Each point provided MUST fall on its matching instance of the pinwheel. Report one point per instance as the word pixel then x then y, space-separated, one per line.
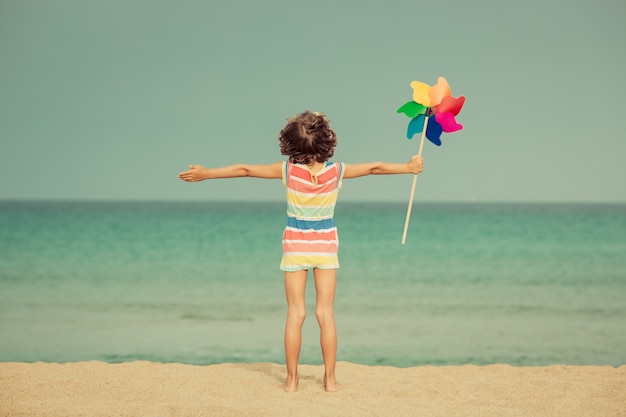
pixel 433 111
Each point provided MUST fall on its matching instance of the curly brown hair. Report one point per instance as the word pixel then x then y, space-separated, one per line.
pixel 307 137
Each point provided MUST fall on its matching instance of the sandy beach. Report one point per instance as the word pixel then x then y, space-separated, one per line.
pixel 151 389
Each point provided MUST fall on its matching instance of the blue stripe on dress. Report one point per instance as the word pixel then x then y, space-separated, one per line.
pixel 310 224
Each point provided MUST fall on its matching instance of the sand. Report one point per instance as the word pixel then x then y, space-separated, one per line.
pixel 148 389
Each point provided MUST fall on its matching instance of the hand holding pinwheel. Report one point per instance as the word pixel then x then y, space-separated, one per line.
pixel 432 111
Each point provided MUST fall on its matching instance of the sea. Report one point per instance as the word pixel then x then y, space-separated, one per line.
pixel 199 283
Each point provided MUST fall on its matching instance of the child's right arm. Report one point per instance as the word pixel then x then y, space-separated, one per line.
pixel 414 166
pixel 199 173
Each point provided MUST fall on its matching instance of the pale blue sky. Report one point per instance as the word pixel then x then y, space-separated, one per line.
pixel 111 99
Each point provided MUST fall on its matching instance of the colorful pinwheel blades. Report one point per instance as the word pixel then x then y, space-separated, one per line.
pixel 433 129
pixel 438 105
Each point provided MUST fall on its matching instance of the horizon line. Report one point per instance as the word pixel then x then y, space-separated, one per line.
pixel 278 201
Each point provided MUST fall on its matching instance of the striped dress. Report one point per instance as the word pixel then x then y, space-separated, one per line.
pixel 310 238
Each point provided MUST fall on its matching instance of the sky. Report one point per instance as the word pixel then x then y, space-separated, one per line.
pixel 110 100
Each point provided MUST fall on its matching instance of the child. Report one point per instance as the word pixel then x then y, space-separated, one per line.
pixel 310 237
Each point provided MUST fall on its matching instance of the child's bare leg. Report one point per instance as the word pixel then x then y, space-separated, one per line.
pixel 325 287
pixel 295 285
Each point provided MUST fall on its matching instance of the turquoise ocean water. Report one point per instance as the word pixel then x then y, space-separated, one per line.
pixel 199 283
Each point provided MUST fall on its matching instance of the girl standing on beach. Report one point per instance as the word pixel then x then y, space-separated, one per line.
pixel 310 238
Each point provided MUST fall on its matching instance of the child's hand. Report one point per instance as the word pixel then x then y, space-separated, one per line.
pixel 416 164
pixel 196 173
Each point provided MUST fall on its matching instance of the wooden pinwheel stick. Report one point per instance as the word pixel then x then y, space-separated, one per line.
pixel 419 153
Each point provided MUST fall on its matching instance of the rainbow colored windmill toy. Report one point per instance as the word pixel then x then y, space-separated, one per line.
pixel 432 111
pixel 434 107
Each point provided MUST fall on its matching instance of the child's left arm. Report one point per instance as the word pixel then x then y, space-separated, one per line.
pixel 199 173
pixel 414 166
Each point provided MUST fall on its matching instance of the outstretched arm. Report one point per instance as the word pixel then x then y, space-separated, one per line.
pixel 199 173
pixel 414 166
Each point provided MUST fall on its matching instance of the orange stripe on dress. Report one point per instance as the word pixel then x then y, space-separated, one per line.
pixel 312 235
pixel 306 247
pixel 303 173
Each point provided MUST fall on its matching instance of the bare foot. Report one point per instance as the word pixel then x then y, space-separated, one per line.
pixel 331 384
pixel 291 385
